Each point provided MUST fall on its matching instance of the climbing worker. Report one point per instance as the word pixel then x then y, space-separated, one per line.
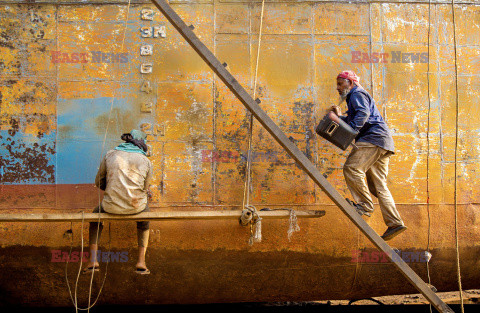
pixel 366 167
pixel 124 174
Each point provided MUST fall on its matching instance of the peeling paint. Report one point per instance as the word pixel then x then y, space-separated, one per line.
pixel 299 59
pixel 24 158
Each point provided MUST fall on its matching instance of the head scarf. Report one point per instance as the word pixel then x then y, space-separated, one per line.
pixel 350 75
pixel 135 142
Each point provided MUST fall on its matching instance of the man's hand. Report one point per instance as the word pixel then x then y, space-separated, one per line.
pixel 336 109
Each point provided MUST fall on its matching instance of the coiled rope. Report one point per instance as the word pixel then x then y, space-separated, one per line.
pixel 250 217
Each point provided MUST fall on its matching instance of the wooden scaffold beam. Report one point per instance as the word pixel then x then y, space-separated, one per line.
pixel 152 216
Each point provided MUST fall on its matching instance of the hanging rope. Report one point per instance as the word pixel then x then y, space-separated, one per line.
pixel 459 276
pixel 428 147
pixel 293 226
pixel 250 213
pixel 247 188
pixel 74 299
pixel 248 177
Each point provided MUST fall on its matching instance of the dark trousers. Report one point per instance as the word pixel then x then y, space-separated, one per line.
pixel 142 229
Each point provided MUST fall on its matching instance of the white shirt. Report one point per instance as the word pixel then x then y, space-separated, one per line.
pixel 127 176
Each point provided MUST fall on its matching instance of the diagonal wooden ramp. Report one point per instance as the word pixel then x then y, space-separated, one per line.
pixel 296 154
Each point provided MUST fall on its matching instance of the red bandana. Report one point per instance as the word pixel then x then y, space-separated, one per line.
pixel 350 75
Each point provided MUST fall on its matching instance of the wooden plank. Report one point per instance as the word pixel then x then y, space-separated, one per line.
pixel 295 153
pixel 152 216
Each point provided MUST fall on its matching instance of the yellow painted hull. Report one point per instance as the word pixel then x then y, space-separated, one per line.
pixel 74 77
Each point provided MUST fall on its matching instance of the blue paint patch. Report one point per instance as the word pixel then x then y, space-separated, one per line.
pixel 81 126
pixel 78 161
pixel 72 153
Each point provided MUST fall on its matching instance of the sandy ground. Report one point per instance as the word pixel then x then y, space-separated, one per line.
pixel 416 303
pixel 469 297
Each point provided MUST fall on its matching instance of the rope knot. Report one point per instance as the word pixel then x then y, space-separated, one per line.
pixel 250 217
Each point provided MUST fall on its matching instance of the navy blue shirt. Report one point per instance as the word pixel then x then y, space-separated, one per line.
pixel 363 116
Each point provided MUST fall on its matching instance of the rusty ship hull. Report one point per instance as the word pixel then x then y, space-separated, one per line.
pixel 75 76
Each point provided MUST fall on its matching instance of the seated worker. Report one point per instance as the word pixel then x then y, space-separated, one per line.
pixel 366 167
pixel 125 174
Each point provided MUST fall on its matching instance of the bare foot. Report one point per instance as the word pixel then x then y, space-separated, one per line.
pixel 141 265
pixel 141 268
pixel 91 267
